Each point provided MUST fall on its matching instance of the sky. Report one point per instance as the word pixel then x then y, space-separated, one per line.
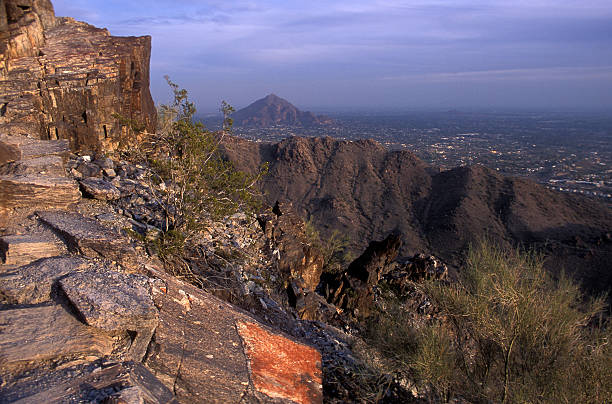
pixel 376 54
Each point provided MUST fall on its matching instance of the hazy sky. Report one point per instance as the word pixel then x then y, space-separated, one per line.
pixel 372 54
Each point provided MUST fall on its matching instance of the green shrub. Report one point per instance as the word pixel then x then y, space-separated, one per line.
pixel 193 184
pixel 508 332
pixel 334 249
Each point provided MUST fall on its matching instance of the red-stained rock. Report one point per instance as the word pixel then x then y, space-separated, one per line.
pixel 282 368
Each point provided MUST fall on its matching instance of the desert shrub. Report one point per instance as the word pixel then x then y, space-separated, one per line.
pixel 517 334
pixel 509 332
pixel 336 255
pixel 192 183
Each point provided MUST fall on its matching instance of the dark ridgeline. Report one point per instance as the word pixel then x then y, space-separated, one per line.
pixel 273 110
pixel 367 191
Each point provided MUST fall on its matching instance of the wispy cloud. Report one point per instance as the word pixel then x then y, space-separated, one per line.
pixel 537 74
pixel 278 44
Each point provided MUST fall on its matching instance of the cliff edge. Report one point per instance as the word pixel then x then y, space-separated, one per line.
pixel 64 79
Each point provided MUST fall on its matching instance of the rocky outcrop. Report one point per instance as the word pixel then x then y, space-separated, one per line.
pixel 298 262
pixel 33 176
pixel 62 79
pixel 353 290
pixel 22 25
pixel 86 316
pixel 273 110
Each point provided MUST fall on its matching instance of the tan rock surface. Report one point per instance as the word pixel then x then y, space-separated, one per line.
pixel 198 351
pixel 37 192
pixel 62 79
pixel 46 333
pixel 23 249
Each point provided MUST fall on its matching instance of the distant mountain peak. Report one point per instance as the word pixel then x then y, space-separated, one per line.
pixel 274 110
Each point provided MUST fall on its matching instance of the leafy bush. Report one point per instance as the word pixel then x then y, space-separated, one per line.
pixel 193 183
pixel 508 332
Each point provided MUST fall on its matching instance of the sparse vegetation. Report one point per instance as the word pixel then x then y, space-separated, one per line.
pixel 507 332
pixel 336 255
pixel 193 184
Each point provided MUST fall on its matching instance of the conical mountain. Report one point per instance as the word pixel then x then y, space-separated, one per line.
pixel 274 110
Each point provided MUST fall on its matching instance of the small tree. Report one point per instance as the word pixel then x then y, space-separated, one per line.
pixel 195 184
pixel 513 334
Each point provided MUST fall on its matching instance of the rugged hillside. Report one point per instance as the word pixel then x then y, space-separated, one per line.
pixel 273 110
pixel 87 314
pixel 63 79
pixel 364 190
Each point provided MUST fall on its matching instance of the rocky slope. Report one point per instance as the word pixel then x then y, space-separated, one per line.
pixel 366 191
pixel 63 79
pixel 86 315
pixel 273 110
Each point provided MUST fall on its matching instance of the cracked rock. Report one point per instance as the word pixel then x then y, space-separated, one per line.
pixel 114 301
pixel 100 189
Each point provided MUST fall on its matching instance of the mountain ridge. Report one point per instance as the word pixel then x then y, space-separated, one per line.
pixel 364 190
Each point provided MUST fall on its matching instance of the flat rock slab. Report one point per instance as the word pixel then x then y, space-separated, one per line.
pixel 114 301
pixel 282 368
pixel 128 381
pixel 33 283
pixel 88 236
pixel 100 189
pixel 13 148
pixel 45 165
pixel 46 333
pixel 198 351
pixel 37 192
pixel 23 249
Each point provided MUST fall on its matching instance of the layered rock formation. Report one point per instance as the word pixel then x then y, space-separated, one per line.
pixel 86 316
pixel 273 110
pixel 63 79
pixel 368 192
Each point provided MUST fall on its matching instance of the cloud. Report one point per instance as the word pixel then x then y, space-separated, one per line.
pixel 537 74
pixel 361 43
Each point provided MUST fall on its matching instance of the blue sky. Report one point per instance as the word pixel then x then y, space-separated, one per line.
pixel 372 54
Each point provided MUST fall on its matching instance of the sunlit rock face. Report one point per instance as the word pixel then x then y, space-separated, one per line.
pixel 63 79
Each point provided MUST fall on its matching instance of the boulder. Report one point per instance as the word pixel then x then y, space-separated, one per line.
pixel 13 148
pixel 36 192
pixel 36 334
pixel 23 249
pixel 34 283
pixel 114 302
pixel 46 165
pixel 98 188
pixel 89 237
